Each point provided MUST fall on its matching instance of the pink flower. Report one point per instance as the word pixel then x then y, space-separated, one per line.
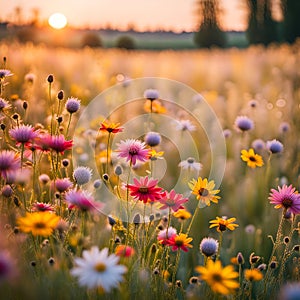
pixel 39 206
pixel 57 143
pixel 173 201
pixel 166 234
pixel 133 150
pixel 286 198
pixel 9 163
pixel 82 200
pixel 23 134
pixel 145 190
pixel 124 251
pixel 62 184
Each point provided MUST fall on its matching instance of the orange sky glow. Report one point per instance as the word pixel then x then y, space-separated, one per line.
pixel 177 15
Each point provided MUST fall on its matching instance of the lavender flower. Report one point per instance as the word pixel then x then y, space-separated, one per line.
pixel 274 146
pixel 72 105
pixel 151 94
pixel 23 134
pixel 9 163
pixel 243 123
pixel 152 139
pixel 82 175
pixel 209 246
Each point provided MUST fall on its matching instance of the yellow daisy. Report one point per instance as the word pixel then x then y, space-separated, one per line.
pixel 253 275
pixel 182 214
pixel 38 223
pixel 221 280
pixel 204 190
pixel 253 160
pixel 223 223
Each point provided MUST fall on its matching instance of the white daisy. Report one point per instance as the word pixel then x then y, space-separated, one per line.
pixel 98 269
pixel 190 164
pixel 185 125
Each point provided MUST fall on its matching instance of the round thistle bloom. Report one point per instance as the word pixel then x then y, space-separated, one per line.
pixel 253 275
pixel 82 200
pixel 185 125
pixel 124 251
pixel 181 241
pixel 44 178
pixel 145 189
pixel 286 197
pixel 38 223
pixel 152 139
pixel 4 105
pixel 39 206
pixel 227 133
pixel 82 175
pixel 133 150
pixel 221 280
pixel 111 128
pixel 190 164
pixel 172 200
pixel 7 191
pixel 62 184
pixel 151 94
pixel 57 143
pixel 5 73
pixel 258 145
pixel 23 134
pixel 9 163
pixel 284 127
pixel 72 105
pixel 98 269
pixel 223 223
pixel 243 123
pixel 209 246
pixel 253 160
pixel 274 146
pixel 290 291
pixel 204 190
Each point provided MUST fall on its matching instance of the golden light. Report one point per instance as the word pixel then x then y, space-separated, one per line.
pixel 57 21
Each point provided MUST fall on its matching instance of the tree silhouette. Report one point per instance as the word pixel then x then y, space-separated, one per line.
pixel 291 24
pixel 209 33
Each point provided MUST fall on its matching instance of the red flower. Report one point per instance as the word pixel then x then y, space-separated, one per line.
pixel 111 128
pixel 57 143
pixel 145 190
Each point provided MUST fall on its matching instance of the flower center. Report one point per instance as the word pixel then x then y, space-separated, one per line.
pixel 216 277
pixel 179 242
pixel 203 192
pixel 222 227
pixel 190 160
pixel 100 267
pixel 133 151
pixel 287 202
pixel 170 202
pixel 40 225
pixel 143 189
pixel 252 158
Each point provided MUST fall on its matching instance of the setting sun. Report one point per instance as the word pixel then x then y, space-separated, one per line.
pixel 57 21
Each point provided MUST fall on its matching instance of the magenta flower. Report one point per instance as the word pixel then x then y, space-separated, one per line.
pixel 286 198
pixel 145 190
pixel 23 134
pixel 82 200
pixel 172 201
pixel 9 163
pixel 40 206
pixel 63 184
pixel 57 143
pixel 166 234
pixel 133 150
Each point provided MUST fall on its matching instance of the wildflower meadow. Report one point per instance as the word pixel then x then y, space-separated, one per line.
pixel 149 175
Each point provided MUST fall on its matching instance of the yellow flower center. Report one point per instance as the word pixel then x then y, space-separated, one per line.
pixel 100 267
pixel 203 192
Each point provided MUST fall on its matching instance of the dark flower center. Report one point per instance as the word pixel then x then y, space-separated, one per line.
pixel 217 277
pixel 39 225
pixel 143 190
pixel 203 192
pixel 222 227
pixel 133 151
pixel 190 160
pixel 179 243
pixel 252 158
pixel 287 202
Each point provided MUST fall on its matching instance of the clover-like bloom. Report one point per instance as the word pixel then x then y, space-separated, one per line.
pixel 243 123
pixel 145 189
pixel 23 134
pixel 98 269
pixel 133 150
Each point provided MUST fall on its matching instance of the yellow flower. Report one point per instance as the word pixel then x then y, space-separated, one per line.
pixel 204 190
pixel 155 155
pixel 38 223
pixel 253 160
pixel 181 241
pixel 221 280
pixel 157 107
pixel 223 223
pixel 182 214
pixel 253 275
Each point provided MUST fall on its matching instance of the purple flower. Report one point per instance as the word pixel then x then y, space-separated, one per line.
pixel 284 127
pixel 7 267
pixel 243 123
pixel 72 105
pixel 151 94
pixel 63 184
pixel 4 104
pixel 82 200
pixel 45 142
pixel 82 175
pixel 286 198
pixel 5 73
pixel 185 125
pixel 152 139
pixel 258 145
pixel 23 134
pixel 133 150
pixel 40 206
pixel 9 163
pixel 274 146
pixel 209 246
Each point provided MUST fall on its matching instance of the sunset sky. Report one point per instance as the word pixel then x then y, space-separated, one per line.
pixel 175 15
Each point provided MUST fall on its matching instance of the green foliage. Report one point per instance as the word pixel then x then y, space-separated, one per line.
pixel 126 42
pixel 91 39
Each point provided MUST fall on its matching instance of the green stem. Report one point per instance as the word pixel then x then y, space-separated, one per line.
pixel 68 126
pixel 193 218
